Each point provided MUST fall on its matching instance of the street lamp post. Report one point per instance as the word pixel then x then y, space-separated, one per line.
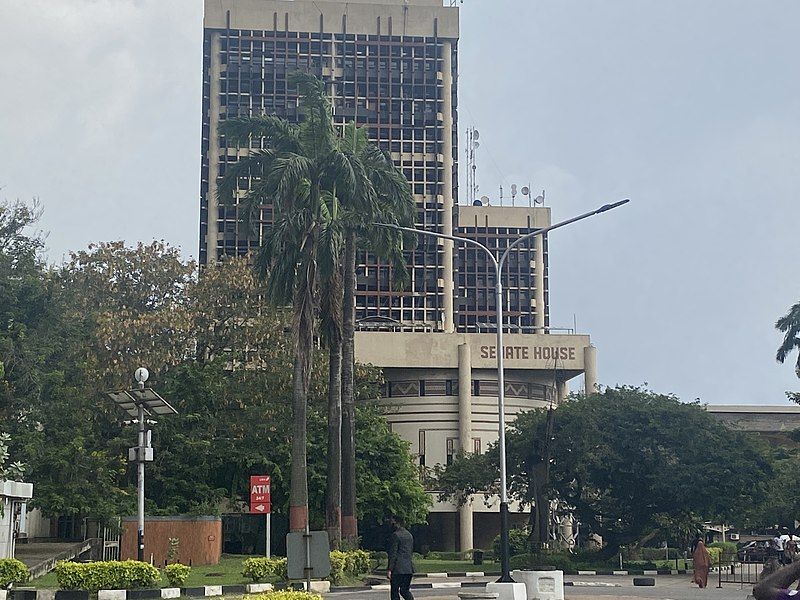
pixel 141 403
pixel 505 576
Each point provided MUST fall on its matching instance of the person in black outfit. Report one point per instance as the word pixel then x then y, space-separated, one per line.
pixel 401 566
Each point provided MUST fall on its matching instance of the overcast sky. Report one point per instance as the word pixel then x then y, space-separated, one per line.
pixel 691 108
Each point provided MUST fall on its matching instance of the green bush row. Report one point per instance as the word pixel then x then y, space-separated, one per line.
pixel 261 568
pixel 353 563
pixel 286 595
pixel 12 572
pixel 466 555
pixel 106 575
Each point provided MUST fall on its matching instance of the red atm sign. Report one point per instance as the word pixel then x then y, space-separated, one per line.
pixel 260 499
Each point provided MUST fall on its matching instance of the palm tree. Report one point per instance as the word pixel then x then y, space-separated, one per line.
pixel 386 198
pixel 297 169
pixel 789 324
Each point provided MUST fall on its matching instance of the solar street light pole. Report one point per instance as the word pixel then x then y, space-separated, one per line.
pixel 141 377
pixel 140 403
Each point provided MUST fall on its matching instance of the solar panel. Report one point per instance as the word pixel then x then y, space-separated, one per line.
pixel 125 402
pixel 152 403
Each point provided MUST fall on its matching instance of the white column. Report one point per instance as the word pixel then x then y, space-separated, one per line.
pixel 538 273
pixel 465 435
pixel 447 226
pixel 562 391
pixel 590 369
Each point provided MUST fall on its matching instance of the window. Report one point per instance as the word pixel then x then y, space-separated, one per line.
pixel 451 450
pixel 476 445
pixel 421 447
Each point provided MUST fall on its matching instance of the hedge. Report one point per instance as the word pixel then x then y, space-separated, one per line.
pixel 286 595
pixel 561 561
pixel 261 568
pixel 106 575
pixel 353 563
pixel 12 571
pixel 177 574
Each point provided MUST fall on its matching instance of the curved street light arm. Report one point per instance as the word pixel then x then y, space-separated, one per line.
pixel 441 235
pixel 518 241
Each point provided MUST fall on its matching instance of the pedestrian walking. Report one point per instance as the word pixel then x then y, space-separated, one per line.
pixel 401 563
pixel 702 564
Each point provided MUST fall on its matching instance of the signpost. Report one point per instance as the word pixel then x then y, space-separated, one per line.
pixel 261 503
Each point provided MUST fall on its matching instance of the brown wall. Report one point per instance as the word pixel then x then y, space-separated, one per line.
pixel 200 539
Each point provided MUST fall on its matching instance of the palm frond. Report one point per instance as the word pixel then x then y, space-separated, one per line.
pixel 279 134
pixel 789 324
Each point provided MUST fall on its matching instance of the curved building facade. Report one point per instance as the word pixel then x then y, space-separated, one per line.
pixel 441 396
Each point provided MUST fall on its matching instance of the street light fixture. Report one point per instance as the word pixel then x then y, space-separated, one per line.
pixel 141 403
pixel 505 576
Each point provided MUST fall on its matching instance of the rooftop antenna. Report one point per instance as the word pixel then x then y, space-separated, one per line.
pixel 526 191
pixel 513 193
pixel 501 194
pixel 473 135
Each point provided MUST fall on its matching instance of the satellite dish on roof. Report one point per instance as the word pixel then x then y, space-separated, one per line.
pixel 540 198
pixel 476 135
pixel 526 191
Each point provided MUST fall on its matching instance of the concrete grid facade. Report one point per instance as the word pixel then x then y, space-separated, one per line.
pixel 392 66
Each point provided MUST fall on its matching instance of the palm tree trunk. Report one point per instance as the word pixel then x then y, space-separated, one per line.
pixel 304 336
pixel 349 515
pixel 333 496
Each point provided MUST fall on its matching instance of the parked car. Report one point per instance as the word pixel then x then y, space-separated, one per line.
pixel 753 552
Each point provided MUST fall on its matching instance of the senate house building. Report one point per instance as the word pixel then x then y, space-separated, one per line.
pixel 392 66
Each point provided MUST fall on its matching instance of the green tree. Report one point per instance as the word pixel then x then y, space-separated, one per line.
pixel 628 460
pixel 789 325
pixel 50 397
pixel 385 197
pixel 298 171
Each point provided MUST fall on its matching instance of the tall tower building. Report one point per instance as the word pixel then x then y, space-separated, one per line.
pixel 389 65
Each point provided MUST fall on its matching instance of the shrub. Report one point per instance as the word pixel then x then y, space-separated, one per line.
pixel 12 571
pixel 106 575
pixel 261 568
pixel 729 550
pixel 286 595
pixel 338 566
pixel 517 541
pixel 381 558
pixel 353 563
pixel 433 556
pixel 660 553
pixel 561 561
pixel 361 562
pixel 715 553
pixel 177 574
pixel 640 565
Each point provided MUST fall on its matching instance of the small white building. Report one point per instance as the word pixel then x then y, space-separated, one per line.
pixel 13 498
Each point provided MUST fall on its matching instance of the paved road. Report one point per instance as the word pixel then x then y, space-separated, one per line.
pixel 675 587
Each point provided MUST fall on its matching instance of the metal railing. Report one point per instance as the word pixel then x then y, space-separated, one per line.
pixel 744 570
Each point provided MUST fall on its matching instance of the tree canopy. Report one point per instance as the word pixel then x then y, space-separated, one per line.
pixel 630 463
pixel 214 348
